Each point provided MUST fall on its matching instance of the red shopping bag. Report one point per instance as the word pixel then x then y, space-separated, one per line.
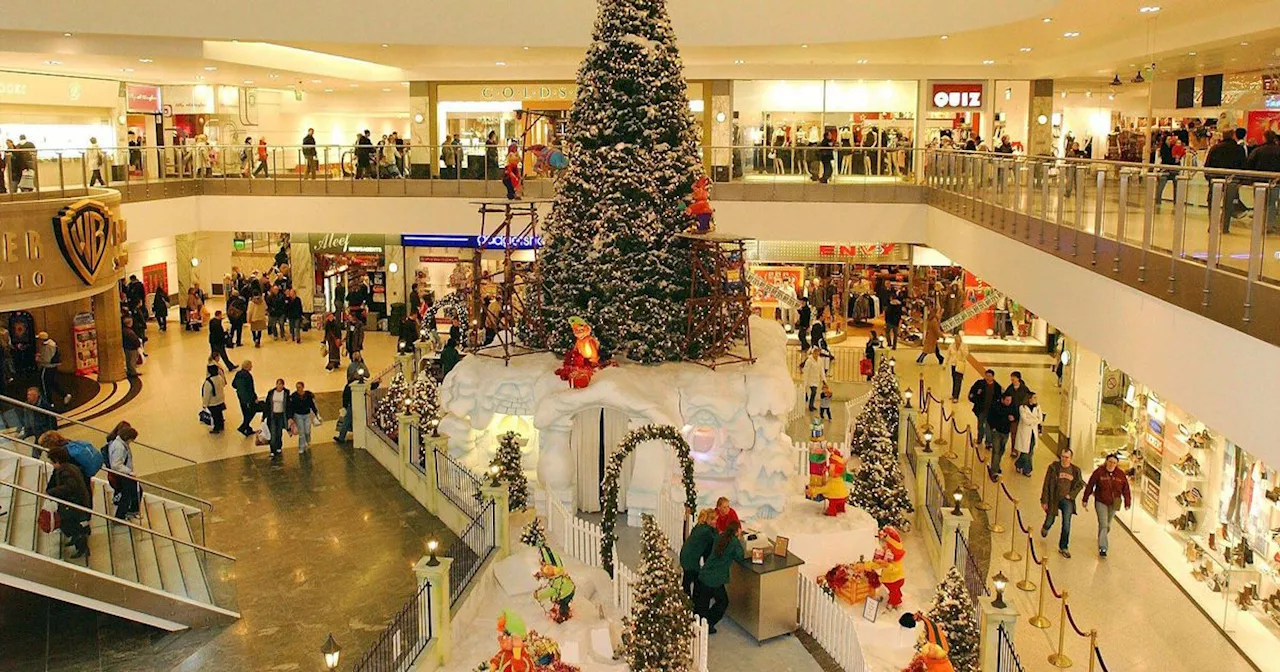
pixel 49 520
pixel 865 366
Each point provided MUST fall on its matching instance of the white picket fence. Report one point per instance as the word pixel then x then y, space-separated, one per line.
pixel 831 625
pixel 801 454
pixel 672 520
pixel 799 409
pixel 852 409
pixel 580 539
pixel 624 581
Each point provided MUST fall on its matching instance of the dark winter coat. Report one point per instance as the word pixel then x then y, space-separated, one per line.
pixel 1060 484
pixel 1226 155
pixel 983 397
pixel 806 316
pixel 67 484
pixel 697 547
pixel 449 358
pixel 302 404
pixel 242 383
pixel 293 308
pixel 715 572
pixel 1265 158
pixel 275 304
pixel 1001 417
pixel 217 334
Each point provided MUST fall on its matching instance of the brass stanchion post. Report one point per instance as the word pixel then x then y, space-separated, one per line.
pixel 1093 649
pixel 1061 659
pixel 982 504
pixel 951 443
pixel 1013 555
pixel 993 523
pixel 1026 584
pixel 1039 620
pixel 972 453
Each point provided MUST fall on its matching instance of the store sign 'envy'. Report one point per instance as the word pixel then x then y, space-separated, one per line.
pixel 873 249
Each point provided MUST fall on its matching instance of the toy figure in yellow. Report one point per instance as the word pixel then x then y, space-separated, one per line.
pixel 889 559
pixel 513 656
pixel 558 588
pixel 834 490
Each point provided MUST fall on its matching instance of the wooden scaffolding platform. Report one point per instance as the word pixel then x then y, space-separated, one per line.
pixel 512 319
pixel 719 305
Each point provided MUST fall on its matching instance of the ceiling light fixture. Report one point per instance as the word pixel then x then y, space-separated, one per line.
pixel 500 63
pixel 1111 96
pixel 1070 34
pixel 1115 81
pixel 804 46
pixel 1088 94
pixel 1064 94
pixel 1244 44
pixel 945 37
pixel 988 62
pixel 862 61
pixel 210 68
pixel 126 69
pixel 1025 50
pixel 199 78
pixel 316 81
pixel 1137 79
pixel 739 62
pixel 386 90
pixel 404 83
pixel 1191 53
pixel 1046 20
pixel 53 62
pixel 144 60
pixel 273 76
pixel 385 46
pixel 328 90
pixel 66 34
pixel 1149 9
pixel 354 86
pixel 526 48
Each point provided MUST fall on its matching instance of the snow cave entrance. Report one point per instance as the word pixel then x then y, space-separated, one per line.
pixel 594 438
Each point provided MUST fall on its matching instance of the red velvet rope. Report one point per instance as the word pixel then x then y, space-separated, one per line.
pixel 1007 494
pixel 1072 620
pixel 1023 527
pixel 1052 588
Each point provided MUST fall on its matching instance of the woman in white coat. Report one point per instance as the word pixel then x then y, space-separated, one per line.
pixel 813 374
pixel 1030 417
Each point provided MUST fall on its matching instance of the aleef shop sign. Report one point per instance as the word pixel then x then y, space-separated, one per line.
pixel 957 95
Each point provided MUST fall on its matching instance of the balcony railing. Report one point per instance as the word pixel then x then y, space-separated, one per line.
pixel 1204 239
pixel 468 171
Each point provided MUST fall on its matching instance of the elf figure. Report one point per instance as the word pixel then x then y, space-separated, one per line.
pixel 581 361
pixel 513 656
pixel 557 591
pixel 931 649
pixel 701 207
pixel 889 559
pixel 834 490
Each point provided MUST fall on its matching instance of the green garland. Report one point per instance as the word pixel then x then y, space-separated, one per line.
pixel 609 487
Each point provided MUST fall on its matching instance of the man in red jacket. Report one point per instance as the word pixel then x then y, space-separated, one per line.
pixel 1107 485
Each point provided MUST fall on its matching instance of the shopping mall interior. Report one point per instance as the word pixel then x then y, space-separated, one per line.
pixel 653 335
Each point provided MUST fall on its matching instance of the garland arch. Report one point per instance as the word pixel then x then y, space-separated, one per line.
pixel 609 487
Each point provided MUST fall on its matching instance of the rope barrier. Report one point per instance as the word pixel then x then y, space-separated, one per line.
pixel 1034 557
pixel 1007 493
pixel 1101 663
pixel 1072 620
pixel 1052 588
pixel 1022 526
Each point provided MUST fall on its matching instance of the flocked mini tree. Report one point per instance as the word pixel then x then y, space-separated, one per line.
pixel 387 409
pixel 611 255
pixel 656 637
pixel 877 486
pixel 953 612
pixel 885 401
pixel 534 533
pixel 422 400
pixel 511 471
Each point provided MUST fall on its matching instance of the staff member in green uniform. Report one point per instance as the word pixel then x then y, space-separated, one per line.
pixel 711 600
pixel 696 549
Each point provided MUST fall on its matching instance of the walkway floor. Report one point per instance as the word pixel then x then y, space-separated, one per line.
pixel 1144 620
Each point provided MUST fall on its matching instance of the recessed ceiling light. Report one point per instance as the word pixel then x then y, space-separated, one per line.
pixel 1088 94
pixel 210 68
pixel 862 61
pixel 273 76
pixel 944 37
pixel 1244 44
pixel 316 81
pixel 144 60
pixel 1111 96
pixel 126 69
pixel 66 34
pixel 739 62
pixel 248 81
pixel 354 86
pixel 1025 50
pixel 235 41
pixel 1071 34
pixel 386 90
pixel 804 46
pixel 385 46
pixel 1191 53
pixel 988 62
pixel 500 63
pixel 526 48
pixel 404 83
pixel 1046 20
pixel 328 90
pixel 1149 9
pixel 199 78
pixel 53 62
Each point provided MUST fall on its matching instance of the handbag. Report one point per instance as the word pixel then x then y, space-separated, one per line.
pixel 864 366
pixel 263 437
pixel 315 418
pixel 49 519
pixel 27 180
pixel 206 417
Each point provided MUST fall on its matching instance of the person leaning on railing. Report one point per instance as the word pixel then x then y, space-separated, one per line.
pixel 1227 154
pixel 1265 158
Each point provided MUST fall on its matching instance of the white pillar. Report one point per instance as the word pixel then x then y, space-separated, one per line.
pixel 992 619
pixel 441 624
pixel 501 498
pixel 359 402
pixel 923 463
pixel 951 524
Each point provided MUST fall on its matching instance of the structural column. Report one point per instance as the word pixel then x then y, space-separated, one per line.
pixel 952 526
pixel 437 576
pixel 359 402
pixel 992 618
pixel 501 498
pixel 106 318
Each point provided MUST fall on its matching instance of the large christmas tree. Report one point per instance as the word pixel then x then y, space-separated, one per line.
pixel 877 486
pixel 657 637
pixel 612 257
pixel 953 612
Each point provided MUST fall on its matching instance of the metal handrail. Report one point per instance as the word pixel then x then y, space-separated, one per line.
pixel 201 503
pixel 22 404
pixel 115 521
pixel 1272 178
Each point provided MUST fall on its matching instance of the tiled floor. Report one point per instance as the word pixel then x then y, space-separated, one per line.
pixel 323 544
pixel 1144 621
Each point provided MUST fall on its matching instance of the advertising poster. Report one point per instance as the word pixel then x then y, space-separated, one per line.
pixel 85 333
pixel 1261 121
pixel 775 274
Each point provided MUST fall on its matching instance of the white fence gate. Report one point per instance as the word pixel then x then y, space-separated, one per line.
pixel 579 538
pixel 672 520
pixel 831 625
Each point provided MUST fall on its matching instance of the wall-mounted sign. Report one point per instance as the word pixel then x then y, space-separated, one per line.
pixel 50 90
pixel 508 91
pixel 850 253
pixel 86 232
pixel 469 242
pixel 957 95
pixel 338 243
pixel 142 99
pixel 1270 85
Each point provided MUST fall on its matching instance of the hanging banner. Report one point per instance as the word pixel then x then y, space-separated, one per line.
pixel 85 333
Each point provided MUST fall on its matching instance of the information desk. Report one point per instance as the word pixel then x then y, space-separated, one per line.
pixel 763 599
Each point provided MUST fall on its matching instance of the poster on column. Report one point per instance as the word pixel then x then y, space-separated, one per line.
pixel 1261 121
pixel 794 275
pixel 85 333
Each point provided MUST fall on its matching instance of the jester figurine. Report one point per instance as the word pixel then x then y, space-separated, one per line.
pixel 513 656
pixel 558 589
pixel 834 490
pixel 700 208
pixel 583 359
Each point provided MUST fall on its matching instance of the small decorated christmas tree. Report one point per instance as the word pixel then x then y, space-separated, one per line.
pixel 390 405
pixel 953 612
pixel 534 534
pixel 511 471
pixel 877 486
pixel 423 402
pixel 656 637
pixel 886 397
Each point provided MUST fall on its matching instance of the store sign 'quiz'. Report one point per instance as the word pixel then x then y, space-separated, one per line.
pixel 957 95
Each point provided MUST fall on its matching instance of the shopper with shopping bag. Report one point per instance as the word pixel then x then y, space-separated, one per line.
pixel 66 484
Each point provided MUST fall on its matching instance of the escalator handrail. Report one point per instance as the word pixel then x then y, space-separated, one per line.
pixel 22 404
